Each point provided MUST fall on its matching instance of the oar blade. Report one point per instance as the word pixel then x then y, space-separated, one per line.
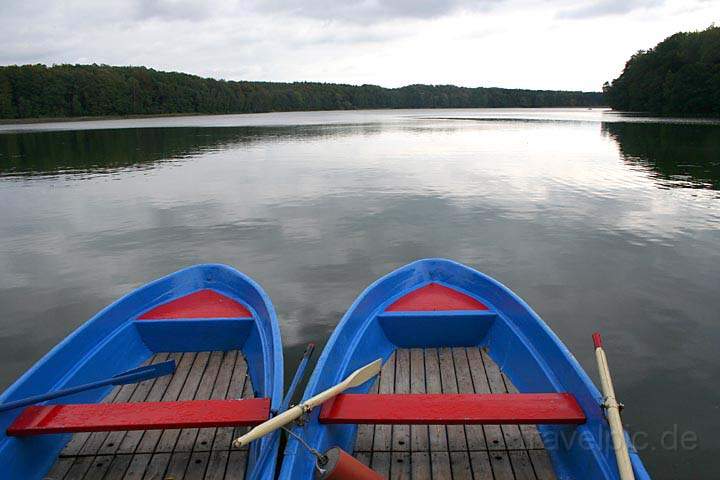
pixel 362 375
pixel 144 373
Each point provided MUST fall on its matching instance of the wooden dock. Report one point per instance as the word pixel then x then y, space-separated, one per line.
pixel 191 454
pixel 452 452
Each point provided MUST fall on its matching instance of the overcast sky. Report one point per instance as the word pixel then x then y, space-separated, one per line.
pixel 549 44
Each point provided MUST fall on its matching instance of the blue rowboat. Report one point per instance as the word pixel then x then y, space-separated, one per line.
pixel 473 381
pixel 220 329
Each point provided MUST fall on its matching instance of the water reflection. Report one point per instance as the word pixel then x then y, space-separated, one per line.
pixel 575 216
pixel 682 155
pixel 103 151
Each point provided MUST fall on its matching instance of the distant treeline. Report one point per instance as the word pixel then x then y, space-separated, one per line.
pixel 91 90
pixel 681 75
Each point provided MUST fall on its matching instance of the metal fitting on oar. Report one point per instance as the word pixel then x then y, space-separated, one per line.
pixel 320 459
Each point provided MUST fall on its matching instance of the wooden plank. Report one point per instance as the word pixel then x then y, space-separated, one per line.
pixel 221 437
pixel 401 433
pixel 440 463
pixel 530 434
pixel 511 433
pixel 132 438
pixel 206 436
pixel 224 436
pixel 150 438
pixel 381 463
pixel 246 394
pixel 493 434
pixel 186 439
pixel 481 465
pixel 89 417
pixel 97 439
pixel 216 465
pixel 382 440
pixel 197 465
pixel 366 433
pixel 169 437
pixel 542 465
pixel 437 433
pixel 79 468
pixel 531 437
pixel 177 465
pixel 138 464
pixel 455 433
pixel 477 452
pixel 400 465
pixel 364 458
pixel 460 466
pixel 237 464
pixel 501 467
pixel 113 440
pixel 522 468
pixel 78 440
pixel 118 467
pixel 100 466
pixel 418 433
pixel 421 469
pixel 60 469
pixel 474 433
pixel 451 409
pixel 157 466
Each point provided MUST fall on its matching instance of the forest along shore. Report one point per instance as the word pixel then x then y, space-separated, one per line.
pixel 37 91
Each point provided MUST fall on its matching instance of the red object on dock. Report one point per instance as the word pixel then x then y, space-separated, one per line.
pixel 343 466
pixel 435 297
pixel 201 304
pixel 104 417
pixel 453 409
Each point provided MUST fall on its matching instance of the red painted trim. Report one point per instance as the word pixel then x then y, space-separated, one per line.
pixel 597 340
pixel 200 304
pixel 434 297
pixel 103 417
pixel 453 409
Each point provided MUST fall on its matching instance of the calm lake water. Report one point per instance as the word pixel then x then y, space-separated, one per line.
pixel 598 220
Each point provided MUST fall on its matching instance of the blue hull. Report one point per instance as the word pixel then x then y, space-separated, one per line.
pixel 115 340
pixel 524 347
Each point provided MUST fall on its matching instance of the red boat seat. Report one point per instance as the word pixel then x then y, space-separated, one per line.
pixel 453 409
pixel 102 417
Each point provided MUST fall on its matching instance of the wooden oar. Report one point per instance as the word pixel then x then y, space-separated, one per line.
pixel 357 378
pixel 131 376
pixel 613 412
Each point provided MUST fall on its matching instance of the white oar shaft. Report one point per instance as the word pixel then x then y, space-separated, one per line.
pixel 613 413
pixel 357 378
pixel 270 426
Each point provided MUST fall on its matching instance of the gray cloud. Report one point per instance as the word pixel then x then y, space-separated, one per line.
pixel 372 11
pixel 602 8
pixel 390 43
pixel 173 10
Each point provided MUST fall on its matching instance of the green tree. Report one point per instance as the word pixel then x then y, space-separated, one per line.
pixel 680 75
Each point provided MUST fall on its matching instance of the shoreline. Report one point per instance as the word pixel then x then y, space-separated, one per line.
pixel 34 120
